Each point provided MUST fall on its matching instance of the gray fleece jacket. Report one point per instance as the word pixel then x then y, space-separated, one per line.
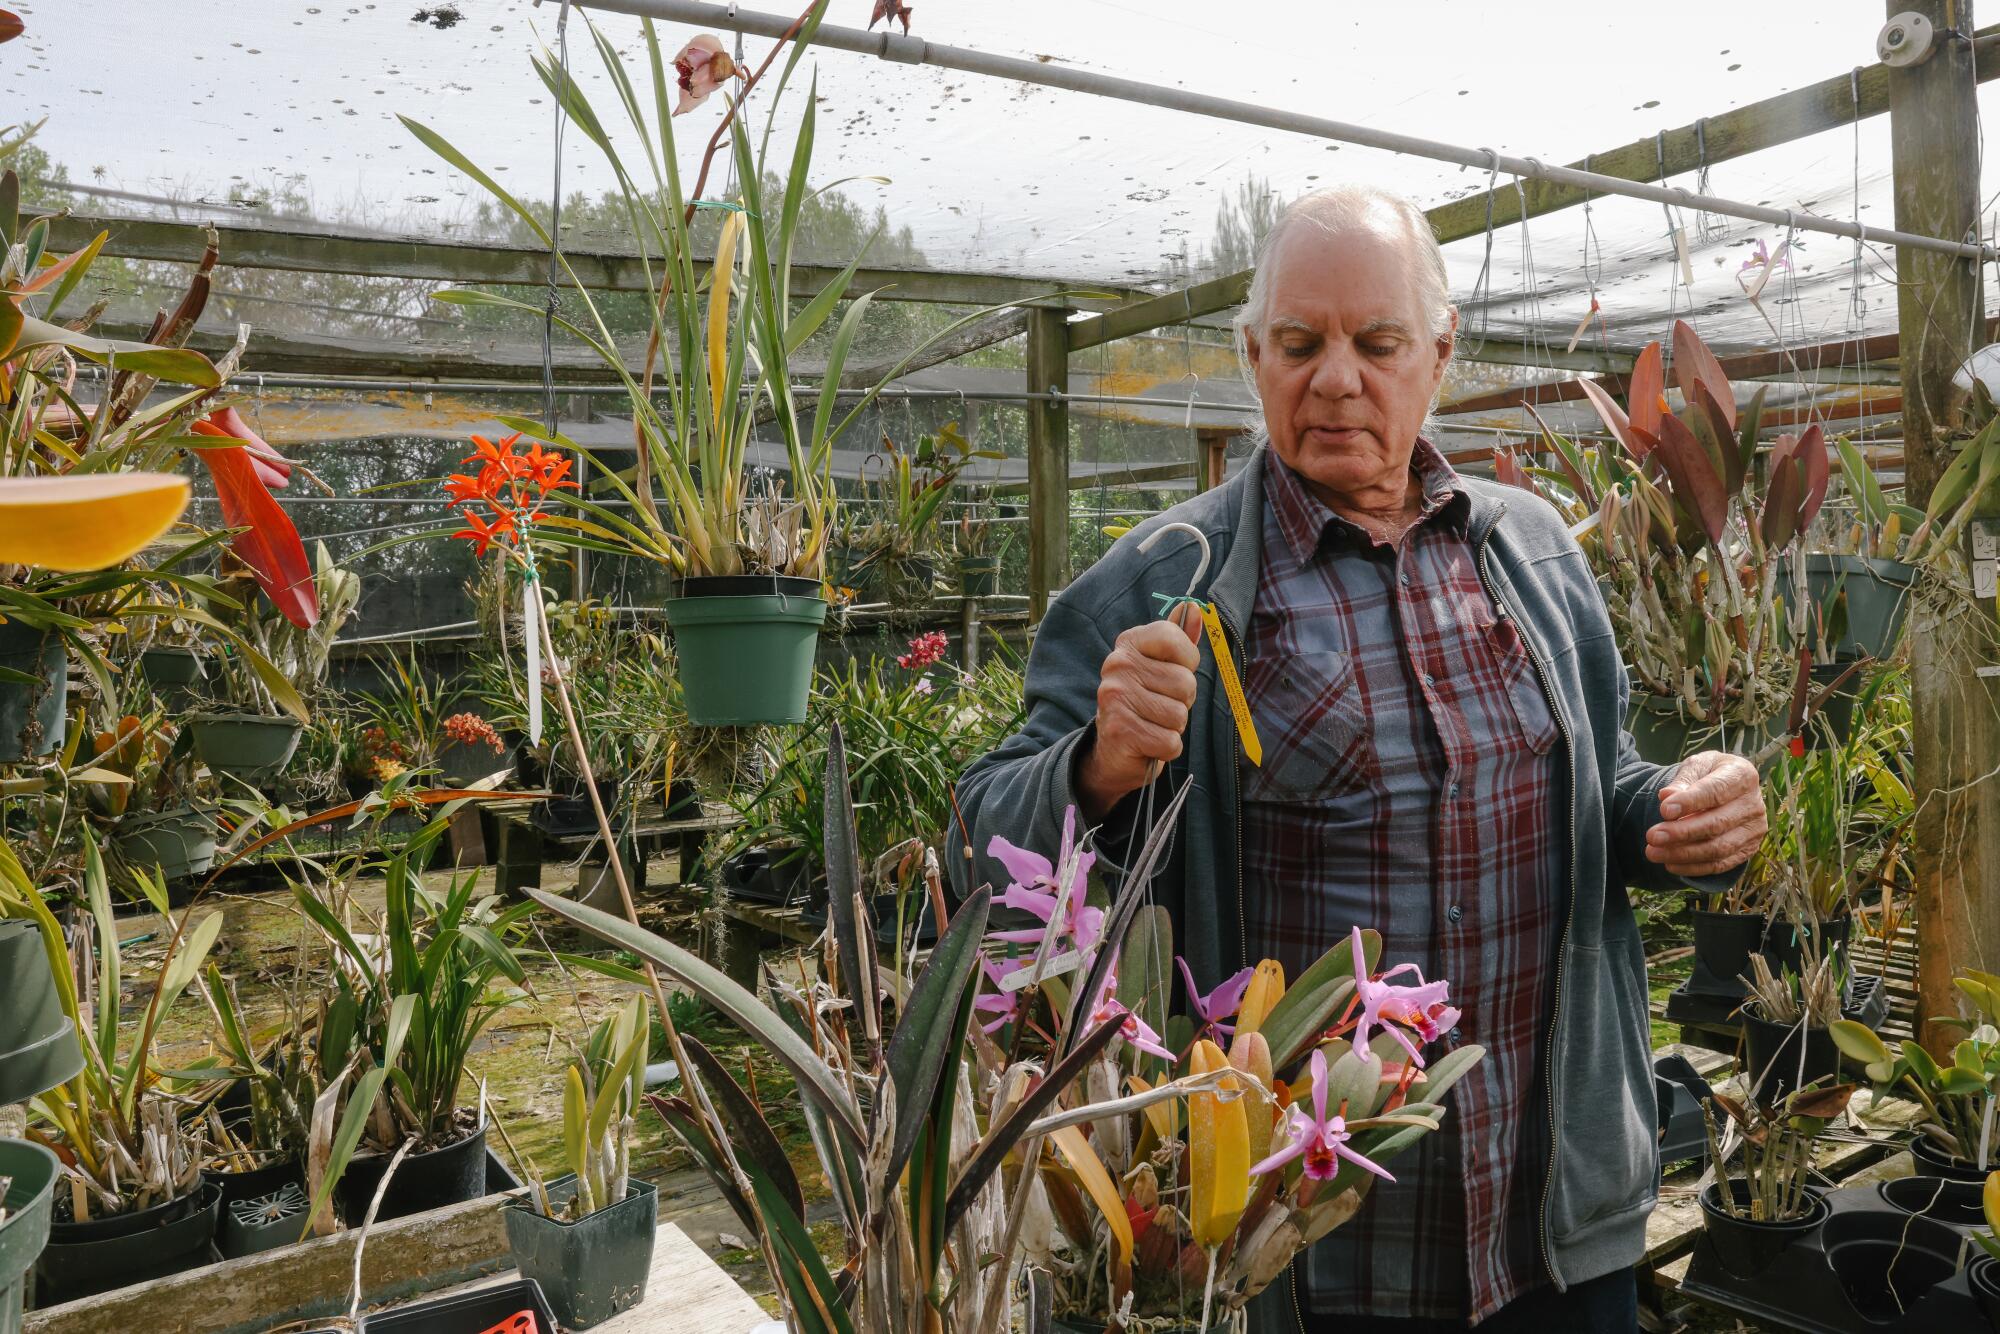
pixel 1603 1173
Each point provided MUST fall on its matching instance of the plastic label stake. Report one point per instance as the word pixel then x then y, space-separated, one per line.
pixel 1232 687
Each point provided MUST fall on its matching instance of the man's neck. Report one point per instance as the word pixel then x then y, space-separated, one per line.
pixel 1379 511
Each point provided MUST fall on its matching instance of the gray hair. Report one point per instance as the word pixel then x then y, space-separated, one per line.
pixel 1337 210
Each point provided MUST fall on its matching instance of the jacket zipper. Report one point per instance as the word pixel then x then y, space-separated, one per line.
pixel 1569 920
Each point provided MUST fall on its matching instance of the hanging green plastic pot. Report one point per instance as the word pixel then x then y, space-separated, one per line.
pixel 38 1043
pixel 1862 600
pixel 251 748
pixel 33 712
pixel 30 1172
pixel 745 644
pixel 177 843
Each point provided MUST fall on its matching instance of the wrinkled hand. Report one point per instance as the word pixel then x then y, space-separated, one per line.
pixel 1713 809
pixel 1144 693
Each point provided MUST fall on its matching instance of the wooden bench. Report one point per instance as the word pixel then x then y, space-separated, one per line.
pixel 523 845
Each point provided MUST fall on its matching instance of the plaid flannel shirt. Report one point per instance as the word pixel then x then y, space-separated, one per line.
pixel 1410 784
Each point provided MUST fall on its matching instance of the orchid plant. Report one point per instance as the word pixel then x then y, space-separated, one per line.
pixel 1690 551
pixel 1959 1098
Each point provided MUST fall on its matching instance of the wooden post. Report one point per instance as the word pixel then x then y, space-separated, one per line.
pixel 1934 136
pixel 1048 457
pixel 1211 455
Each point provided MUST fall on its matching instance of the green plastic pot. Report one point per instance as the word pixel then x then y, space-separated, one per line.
pixel 591 1269
pixel 33 716
pixel 979 576
pixel 746 657
pixel 178 843
pixel 38 1043
pixel 251 748
pixel 31 1172
pixel 1665 735
pixel 1875 593
pixel 172 672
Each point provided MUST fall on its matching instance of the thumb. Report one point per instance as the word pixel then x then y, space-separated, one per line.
pixel 1188 617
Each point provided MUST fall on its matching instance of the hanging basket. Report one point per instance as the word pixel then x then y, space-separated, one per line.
pixel 32 713
pixel 745 644
pixel 38 1044
pixel 251 748
pixel 1863 599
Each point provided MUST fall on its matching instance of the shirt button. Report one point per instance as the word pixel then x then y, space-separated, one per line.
pixel 1454 912
pixel 1453 1035
pixel 1452 791
pixel 1406 578
pixel 1429 681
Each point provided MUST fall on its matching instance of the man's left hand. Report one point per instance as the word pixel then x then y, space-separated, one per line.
pixel 1713 816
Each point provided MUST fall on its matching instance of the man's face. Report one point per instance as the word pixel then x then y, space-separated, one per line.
pixel 1345 362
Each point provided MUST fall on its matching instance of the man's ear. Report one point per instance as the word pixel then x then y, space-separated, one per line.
pixel 1447 341
pixel 1250 348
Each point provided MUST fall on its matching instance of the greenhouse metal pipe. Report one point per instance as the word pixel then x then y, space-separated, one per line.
pixel 908 50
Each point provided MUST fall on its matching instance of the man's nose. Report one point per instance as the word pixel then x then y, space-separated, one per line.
pixel 1337 373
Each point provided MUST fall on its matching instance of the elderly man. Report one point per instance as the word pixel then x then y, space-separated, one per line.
pixel 1441 708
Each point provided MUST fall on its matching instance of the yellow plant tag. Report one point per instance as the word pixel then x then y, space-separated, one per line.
pixel 1225 668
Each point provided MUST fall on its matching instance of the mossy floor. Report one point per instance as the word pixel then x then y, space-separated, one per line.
pixel 278 967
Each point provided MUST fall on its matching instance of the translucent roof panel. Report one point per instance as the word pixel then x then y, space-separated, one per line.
pixel 289 107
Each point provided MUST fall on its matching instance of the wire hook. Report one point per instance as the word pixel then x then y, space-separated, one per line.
pixel 1201 566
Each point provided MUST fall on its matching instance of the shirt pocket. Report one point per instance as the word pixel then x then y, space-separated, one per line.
pixel 1529 703
pixel 1313 726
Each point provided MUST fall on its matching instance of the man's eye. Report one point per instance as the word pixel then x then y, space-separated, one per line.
pixel 1298 349
pixel 1379 349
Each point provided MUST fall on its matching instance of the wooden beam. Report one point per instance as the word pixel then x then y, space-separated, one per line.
pixel 1732 134
pixel 302 251
pixel 1954 713
pixel 1145 475
pixel 1048 458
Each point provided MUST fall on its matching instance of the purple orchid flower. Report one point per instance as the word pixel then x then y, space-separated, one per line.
pixel 1421 1008
pixel 1003 1005
pixel 1134 1030
pixel 1320 1139
pixel 1217 1005
pixel 1040 888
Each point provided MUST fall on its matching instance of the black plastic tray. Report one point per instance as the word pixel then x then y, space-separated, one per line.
pixel 468 1312
pixel 1681 1091
pixel 1867 1001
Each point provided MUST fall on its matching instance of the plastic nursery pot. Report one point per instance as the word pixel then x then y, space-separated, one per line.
pixel 178 843
pixel 249 747
pixel 33 717
pixel 746 657
pixel 780 876
pixel 1877 592
pixel 38 1044
pixel 30 1172
pixel 1746 1247
pixel 567 817
pixel 1785 942
pixel 1723 944
pixel 590 1269
pixel 257 1182
pixel 1887 1261
pixel 1933 1160
pixel 1982 1276
pixel 264 1222
pixel 1773 1055
pixel 1953 1203
pixel 480 1312
pixel 165 667
pixel 979 576
pixel 102 1254
pixel 423 1181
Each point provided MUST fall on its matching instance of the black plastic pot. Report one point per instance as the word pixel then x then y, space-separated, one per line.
pixel 38 1043
pixel 33 717
pixel 1785 942
pixel 1679 1091
pixel 1953 1203
pixel 469 1313
pixel 423 1181
pixel 779 876
pixel 568 817
pixel 979 576
pixel 1887 1261
pixel 257 1182
pixel 263 1222
pixel 103 1254
pixel 1745 1247
pixel 1934 1161
pixel 683 801
pixel 1772 1055
pixel 1723 944
pixel 1983 1277
pixel 591 1269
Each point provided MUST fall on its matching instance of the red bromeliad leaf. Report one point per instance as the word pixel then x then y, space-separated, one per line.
pixel 273 467
pixel 268 543
pixel 1695 364
pixel 1645 390
pixel 1613 415
pixel 1719 439
pixel 1695 483
pixel 1813 456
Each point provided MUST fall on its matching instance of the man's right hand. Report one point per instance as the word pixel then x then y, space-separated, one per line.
pixel 1144 693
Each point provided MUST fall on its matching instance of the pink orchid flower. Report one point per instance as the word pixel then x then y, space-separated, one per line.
pixel 1003 1005
pixel 1217 1005
pixel 1131 1027
pixel 1421 1008
pixel 1040 888
pixel 1320 1139
pixel 702 66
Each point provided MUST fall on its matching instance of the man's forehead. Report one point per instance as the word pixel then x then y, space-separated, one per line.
pixel 1358 275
